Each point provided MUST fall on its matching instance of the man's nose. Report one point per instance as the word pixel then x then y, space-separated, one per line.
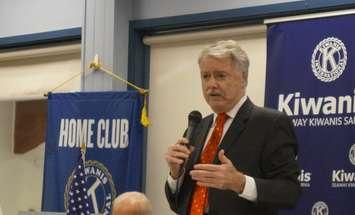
pixel 212 82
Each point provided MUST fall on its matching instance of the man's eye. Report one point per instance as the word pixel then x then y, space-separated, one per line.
pixel 221 76
pixel 205 76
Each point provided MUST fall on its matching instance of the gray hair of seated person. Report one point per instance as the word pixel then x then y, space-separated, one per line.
pixel 134 202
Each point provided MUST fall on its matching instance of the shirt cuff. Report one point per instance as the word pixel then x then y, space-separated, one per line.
pixel 250 193
pixel 172 182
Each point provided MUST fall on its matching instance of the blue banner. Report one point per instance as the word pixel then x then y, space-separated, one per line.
pixel 108 123
pixel 311 77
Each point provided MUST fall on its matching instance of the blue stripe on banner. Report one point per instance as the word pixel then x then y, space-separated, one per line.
pixel 109 124
pixel 311 77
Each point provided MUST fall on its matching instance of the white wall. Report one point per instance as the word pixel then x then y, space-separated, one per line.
pixel 18 17
pixel 144 9
pixel 20 175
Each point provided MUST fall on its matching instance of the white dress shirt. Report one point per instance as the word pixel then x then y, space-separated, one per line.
pixel 249 192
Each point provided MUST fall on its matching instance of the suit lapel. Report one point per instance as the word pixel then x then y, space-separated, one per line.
pixel 237 127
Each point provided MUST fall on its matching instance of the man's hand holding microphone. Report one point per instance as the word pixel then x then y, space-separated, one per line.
pixel 179 152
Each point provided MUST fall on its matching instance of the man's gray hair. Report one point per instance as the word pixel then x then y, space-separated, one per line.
pixel 225 49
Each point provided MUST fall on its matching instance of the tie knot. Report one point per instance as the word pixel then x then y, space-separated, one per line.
pixel 221 118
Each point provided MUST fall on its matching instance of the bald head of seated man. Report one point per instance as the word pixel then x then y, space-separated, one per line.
pixel 131 203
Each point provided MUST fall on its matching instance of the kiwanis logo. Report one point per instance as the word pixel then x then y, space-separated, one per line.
pixel 320 208
pixel 342 178
pixel 329 59
pixel 101 189
pixel 352 154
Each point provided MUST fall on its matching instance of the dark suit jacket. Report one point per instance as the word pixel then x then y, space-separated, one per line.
pixel 261 143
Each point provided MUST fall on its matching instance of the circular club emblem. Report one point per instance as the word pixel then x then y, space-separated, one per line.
pixel 329 59
pixel 101 190
pixel 320 208
pixel 352 154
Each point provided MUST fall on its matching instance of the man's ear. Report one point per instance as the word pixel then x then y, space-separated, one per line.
pixel 244 83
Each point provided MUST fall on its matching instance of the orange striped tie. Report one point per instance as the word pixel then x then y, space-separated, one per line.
pixel 199 195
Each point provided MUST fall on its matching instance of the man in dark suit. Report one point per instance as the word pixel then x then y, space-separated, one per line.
pixel 244 156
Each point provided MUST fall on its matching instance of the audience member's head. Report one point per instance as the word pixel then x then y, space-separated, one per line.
pixel 131 203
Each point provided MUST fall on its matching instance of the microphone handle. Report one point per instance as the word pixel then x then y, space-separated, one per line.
pixel 183 165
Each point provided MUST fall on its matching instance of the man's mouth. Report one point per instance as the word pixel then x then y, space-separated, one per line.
pixel 214 94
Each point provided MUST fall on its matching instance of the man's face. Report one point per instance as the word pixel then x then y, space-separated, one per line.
pixel 223 84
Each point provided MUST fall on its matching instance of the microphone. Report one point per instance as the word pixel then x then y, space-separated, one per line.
pixel 194 119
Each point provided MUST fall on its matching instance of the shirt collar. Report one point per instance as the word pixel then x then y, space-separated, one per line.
pixel 233 112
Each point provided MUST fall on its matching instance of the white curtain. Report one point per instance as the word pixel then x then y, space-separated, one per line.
pixel 31 73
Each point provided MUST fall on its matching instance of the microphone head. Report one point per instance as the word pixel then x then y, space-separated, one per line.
pixel 195 117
